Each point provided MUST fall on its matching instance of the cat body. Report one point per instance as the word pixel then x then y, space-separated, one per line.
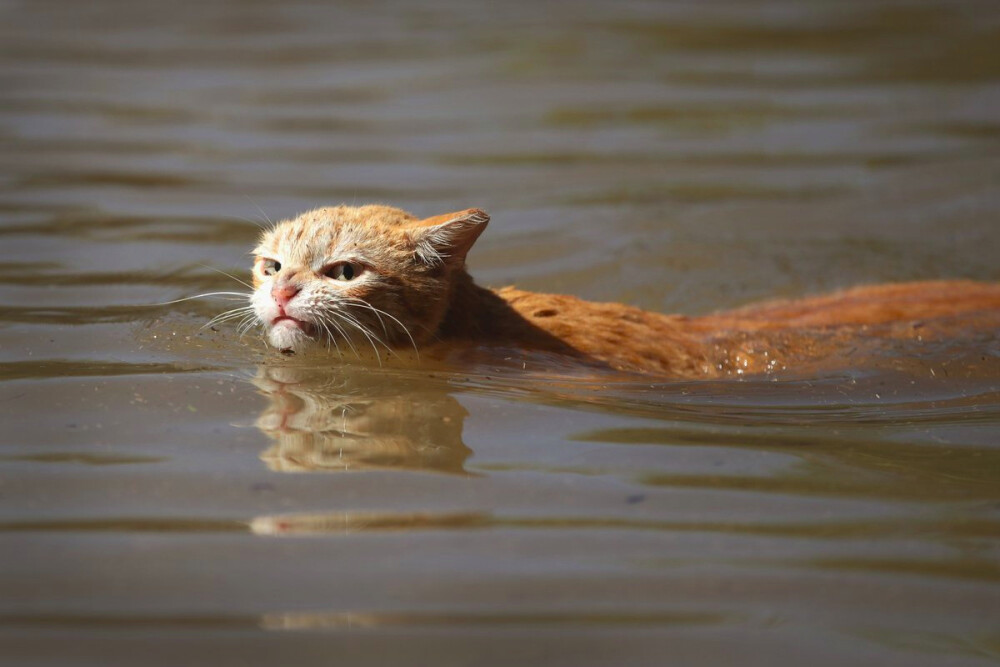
pixel 379 277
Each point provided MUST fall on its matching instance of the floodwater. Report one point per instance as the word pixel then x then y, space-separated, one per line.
pixel 172 495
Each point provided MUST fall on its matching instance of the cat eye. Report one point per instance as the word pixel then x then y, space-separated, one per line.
pixel 343 271
pixel 269 267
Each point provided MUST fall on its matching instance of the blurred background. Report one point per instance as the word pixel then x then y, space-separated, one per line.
pixel 679 156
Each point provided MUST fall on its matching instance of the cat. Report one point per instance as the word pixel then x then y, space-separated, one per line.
pixel 380 278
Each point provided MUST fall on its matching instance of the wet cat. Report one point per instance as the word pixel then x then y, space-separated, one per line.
pixel 378 277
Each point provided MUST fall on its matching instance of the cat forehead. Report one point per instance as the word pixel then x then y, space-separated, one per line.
pixel 333 230
pixel 375 215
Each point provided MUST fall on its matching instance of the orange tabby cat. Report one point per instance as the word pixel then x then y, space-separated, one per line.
pixel 377 276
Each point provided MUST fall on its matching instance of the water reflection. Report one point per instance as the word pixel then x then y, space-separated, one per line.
pixel 340 419
pixel 337 620
pixel 346 523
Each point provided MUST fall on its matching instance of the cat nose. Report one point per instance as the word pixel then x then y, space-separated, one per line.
pixel 282 294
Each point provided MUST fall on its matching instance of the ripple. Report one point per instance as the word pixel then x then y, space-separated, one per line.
pixel 358 620
pixel 54 368
pixel 89 459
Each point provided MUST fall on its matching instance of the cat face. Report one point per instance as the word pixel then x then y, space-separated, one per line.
pixel 372 276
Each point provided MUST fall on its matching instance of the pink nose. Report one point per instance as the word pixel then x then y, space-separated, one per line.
pixel 282 294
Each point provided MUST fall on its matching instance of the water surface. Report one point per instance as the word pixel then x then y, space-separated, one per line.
pixel 169 492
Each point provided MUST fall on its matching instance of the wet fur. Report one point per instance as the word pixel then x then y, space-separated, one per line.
pixel 416 294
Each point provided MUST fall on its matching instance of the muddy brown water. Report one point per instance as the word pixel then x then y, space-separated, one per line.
pixel 176 495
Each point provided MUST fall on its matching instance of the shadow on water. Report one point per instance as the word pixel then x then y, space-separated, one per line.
pixel 330 420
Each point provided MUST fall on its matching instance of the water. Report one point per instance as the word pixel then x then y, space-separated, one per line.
pixel 177 495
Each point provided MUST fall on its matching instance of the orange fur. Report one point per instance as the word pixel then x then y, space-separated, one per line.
pixel 415 291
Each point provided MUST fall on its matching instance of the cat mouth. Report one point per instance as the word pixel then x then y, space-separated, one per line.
pixel 306 327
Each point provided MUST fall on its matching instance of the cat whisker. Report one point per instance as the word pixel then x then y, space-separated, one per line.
pixel 229 315
pixel 388 348
pixel 354 324
pixel 258 224
pixel 364 332
pixel 246 324
pixel 230 295
pixel 269 221
pixel 342 333
pixel 247 308
pixel 379 312
pixel 243 331
pixel 325 332
pixel 228 275
pixel 331 338
pixel 355 300
pixel 240 312
pixel 239 317
pixel 368 332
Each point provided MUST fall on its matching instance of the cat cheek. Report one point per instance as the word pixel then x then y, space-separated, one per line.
pixel 264 305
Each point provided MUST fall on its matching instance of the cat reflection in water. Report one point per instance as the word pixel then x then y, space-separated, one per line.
pixel 358 421
pixel 379 279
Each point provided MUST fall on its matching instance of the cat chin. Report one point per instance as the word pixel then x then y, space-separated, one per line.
pixel 287 335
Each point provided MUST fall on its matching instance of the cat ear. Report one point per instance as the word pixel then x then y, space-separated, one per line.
pixel 446 239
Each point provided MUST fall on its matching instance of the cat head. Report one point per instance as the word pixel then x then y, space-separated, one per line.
pixel 369 275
